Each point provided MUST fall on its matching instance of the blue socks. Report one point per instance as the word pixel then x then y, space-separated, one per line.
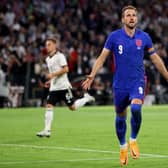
pixel 121 127
pixel 136 119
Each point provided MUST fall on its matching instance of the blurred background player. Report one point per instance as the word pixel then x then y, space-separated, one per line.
pixel 59 85
pixel 4 89
pixel 127 45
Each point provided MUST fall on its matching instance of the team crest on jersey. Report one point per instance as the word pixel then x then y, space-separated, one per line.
pixel 138 43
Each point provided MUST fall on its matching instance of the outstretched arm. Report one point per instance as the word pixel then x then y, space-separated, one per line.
pixel 97 65
pixel 157 61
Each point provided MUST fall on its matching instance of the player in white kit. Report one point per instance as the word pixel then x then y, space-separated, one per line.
pixel 59 85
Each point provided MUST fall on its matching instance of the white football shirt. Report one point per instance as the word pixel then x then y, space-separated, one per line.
pixel 55 63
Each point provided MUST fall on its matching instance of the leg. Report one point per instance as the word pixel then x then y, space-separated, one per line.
pixel 120 124
pixel 136 119
pixel 52 98
pixel 79 102
pixel 48 121
pixel 121 102
pixel 48 117
pixel 121 134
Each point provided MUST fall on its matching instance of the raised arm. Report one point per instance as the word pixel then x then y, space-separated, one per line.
pixel 97 65
pixel 157 61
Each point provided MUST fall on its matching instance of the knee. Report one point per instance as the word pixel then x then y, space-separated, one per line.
pixel 72 107
pixel 136 108
pixel 49 106
pixel 121 118
pixel 121 111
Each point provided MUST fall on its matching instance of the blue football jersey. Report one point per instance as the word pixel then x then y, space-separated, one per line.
pixel 128 55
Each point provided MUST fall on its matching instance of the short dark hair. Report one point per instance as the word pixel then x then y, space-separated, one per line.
pixel 128 7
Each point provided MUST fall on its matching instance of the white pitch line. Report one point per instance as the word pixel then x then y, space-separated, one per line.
pixel 79 150
pixel 58 148
pixel 56 161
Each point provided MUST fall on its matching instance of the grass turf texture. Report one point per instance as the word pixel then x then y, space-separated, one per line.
pixel 80 139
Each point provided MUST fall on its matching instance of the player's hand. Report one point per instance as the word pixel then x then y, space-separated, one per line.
pixel 47 84
pixel 87 83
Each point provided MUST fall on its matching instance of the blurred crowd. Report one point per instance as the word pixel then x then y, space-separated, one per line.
pixel 81 27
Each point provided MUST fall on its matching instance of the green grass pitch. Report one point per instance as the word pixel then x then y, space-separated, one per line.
pixel 80 139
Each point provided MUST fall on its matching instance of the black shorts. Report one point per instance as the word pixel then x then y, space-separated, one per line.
pixel 61 95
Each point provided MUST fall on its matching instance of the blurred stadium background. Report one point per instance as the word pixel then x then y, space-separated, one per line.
pixel 82 27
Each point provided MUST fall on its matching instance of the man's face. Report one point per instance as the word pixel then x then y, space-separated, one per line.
pixel 50 46
pixel 129 19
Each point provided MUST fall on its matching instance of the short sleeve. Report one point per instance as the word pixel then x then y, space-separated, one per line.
pixel 63 61
pixel 109 42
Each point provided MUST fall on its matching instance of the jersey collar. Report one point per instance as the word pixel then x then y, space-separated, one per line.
pixel 123 30
pixel 52 54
